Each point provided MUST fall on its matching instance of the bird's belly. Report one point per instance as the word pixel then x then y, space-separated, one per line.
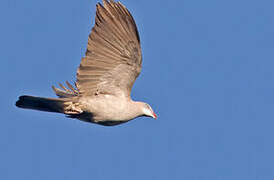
pixel 108 109
pixel 111 113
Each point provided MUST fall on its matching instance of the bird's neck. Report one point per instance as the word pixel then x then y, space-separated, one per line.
pixel 137 108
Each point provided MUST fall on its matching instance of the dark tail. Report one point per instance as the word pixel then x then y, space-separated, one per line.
pixel 42 104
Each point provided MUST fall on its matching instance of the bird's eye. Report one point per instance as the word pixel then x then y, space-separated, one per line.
pixel 148 106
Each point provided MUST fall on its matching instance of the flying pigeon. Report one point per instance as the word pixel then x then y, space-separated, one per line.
pixel 106 74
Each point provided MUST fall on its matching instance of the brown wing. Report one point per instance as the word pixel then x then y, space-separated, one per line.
pixel 113 57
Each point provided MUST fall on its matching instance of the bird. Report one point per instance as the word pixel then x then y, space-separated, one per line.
pixel 102 91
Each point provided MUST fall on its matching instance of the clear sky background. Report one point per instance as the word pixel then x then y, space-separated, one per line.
pixel 207 73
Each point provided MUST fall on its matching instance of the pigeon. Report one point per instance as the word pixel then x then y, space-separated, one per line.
pixel 107 72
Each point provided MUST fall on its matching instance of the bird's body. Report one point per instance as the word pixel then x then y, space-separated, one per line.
pixel 105 76
pixel 110 108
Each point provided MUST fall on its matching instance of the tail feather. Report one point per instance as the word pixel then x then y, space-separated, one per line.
pixel 42 104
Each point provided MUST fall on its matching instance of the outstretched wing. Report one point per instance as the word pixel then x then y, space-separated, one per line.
pixel 113 57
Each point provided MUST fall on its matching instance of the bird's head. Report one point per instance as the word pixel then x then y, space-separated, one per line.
pixel 147 111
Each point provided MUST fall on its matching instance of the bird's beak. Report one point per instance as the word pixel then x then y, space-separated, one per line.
pixel 154 115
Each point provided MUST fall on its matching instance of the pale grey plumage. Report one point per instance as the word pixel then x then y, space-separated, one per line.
pixel 105 76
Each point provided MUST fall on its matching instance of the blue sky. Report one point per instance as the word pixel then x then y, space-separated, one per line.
pixel 207 73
